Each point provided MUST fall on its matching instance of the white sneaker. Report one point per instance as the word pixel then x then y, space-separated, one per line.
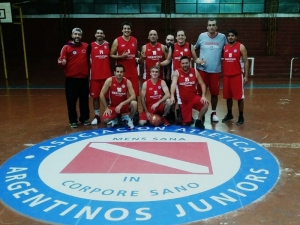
pixel 113 122
pixel 96 120
pixel 128 121
pixel 213 117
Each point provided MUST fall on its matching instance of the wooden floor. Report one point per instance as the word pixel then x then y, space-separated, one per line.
pixel 34 111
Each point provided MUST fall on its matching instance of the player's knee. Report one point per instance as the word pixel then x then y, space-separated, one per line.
pixel 168 102
pixel 133 104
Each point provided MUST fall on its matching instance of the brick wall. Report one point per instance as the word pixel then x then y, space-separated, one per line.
pixel 44 38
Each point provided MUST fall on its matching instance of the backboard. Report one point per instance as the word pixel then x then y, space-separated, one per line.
pixel 5 13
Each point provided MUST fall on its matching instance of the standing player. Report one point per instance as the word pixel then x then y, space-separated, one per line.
pixel 235 70
pixel 124 50
pixel 185 81
pixel 211 44
pixel 98 51
pixel 152 53
pixel 155 98
pixel 121 99
pixel 75 61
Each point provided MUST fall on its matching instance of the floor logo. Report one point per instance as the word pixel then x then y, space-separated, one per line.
pixel 162 175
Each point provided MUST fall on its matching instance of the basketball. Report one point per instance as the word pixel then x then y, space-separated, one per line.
pixel 155 120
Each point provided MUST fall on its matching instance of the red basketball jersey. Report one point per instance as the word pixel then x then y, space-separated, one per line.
pixel 153 54
pixel 130 62
pixel 100 68
pixel 117 91
pixel 232 63
pixel 178 52
pixel 154 92
pixel 186 87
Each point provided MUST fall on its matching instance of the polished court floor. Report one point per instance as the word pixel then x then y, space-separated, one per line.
pixel 34 111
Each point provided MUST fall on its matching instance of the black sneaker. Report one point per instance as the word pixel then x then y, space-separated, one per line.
pixel 136 118
pixel 171 117
pixel 203 118
pixel 227 118
pixel 240 121
pixel 199 124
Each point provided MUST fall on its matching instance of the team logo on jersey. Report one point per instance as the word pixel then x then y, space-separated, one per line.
pixel 159 87
pixel 123 85
pixel 74 52
pixel 191 75
pixel 158 49
pixel 149 175
pixel 186 50
pixel 235 50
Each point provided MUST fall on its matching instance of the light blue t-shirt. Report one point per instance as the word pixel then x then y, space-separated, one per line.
pixel 211 51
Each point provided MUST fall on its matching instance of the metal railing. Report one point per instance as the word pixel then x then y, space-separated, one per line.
pixel 251 67
pixel 291 68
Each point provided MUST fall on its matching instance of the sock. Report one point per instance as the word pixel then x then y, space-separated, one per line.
pixel 97 112
pixel 241 113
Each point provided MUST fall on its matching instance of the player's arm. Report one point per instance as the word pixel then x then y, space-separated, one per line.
pixel 131 93
pixel 114 51
pixel 143 96
pixel 104 90
pixel 168 59
pixel 246 62
pixel 166 92
pixel 173 85
pixel 195 58
pixel 62 60
pixel 203 88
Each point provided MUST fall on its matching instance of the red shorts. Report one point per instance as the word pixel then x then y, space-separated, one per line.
pixel 212 82
pixel 135 85
pixel 159 110
pixel 233 87
pixel 95 88
pixel 114 114
pixel 186 108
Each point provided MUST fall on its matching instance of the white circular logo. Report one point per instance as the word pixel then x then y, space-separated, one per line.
pixel 145 176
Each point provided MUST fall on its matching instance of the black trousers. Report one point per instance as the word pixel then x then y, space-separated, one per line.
pixel 77 88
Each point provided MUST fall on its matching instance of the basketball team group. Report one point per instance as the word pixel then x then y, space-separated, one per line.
pixel 172 88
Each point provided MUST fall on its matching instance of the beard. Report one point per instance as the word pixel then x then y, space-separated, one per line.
pixel 76 41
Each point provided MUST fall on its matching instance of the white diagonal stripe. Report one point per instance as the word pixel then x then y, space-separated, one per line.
pixel 149 157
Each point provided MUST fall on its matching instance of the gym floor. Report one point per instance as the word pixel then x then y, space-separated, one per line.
pixel 32 112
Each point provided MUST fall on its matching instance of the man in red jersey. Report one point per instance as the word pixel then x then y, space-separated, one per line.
pixel 185 81
pixel 176 51
pixel 155 98
pixel 99 52
pixel 235 70
pixel 124 50
pixel 73 57
pixel 121 99
pixel 152 53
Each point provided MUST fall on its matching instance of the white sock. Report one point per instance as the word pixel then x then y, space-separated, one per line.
pixel 97 112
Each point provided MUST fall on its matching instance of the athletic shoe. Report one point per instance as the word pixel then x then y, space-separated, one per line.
pixel 128 121
pixel 199 124
pixel 240 121
pixel 86 123
pixel 96 120
pixel 213 117
pixel 227 118
pixel 73 125
pixel 165 121
pixel 113 123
